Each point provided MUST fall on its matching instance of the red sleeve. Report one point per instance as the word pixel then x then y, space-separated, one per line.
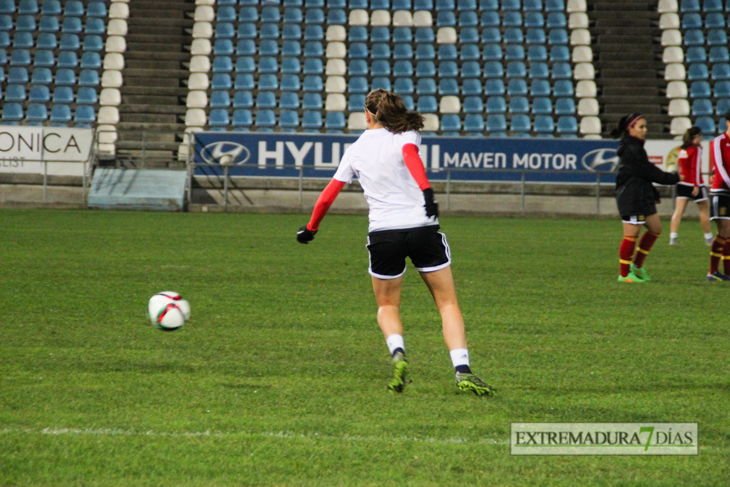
pixel 415 165
pixel 324 202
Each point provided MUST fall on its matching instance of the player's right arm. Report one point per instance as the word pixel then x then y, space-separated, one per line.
pixel 415 167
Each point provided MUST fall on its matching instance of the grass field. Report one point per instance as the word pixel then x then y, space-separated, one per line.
pixel 280 376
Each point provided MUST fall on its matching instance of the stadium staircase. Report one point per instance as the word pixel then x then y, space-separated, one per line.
pixel 629 63
pixel 153 96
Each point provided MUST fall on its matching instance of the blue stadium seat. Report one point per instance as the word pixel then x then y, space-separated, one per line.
pixel 7 7
pixel 380 68
pixel 88 77
pixel 715 21
pixel 245 47
pixel 564 106
pixel 336 17
pixel 313 33
pixel 562 70
pixel 723 106
pixel 218 118
pixel 707 124
pixel 694 37
pixel 698 71
pixel 20 57
pixel 512 19
pixel 290 82
pixel 291 32
pixel 702 107
pixel 314 3
pixel 225 30
pixel 96 9
pixel 426 86
pixel 29 7
pixel 700 89
pixel 245 31
pixel 492 35
pixel 402 34
pixel 567 125
pixel 67 59
pixel 496 123
pixel 424 35
pixel 556 20
pixel 245 64
pixel 493 69
pixel 496 104
pixel 313 84
pixel 563 88
pixel 269 31
pixel 313 101
pixel 84 114
pixel 473 104
pixel 4 40
pixel 70 42
pixel 400 5
pixel 519 105
pixel 6 23
pixel 314 16
pixel 445 5
pixel 20 75
pixel 288 101
pixel 542 106
pixel 468 19
pixel 95 26
pixel 72 25
pixel 358 84
pixel 288 119
pixel 516 69
pixel 313 49
pixel 692 21
pixel 712 6
pixel 73 8
pixel 539 70
pixel 335 121
pixel 380 51
pixel 42 59
pixel 25 23
pixel 221 81
pixel 403 86
pixel 448 69
pixel 558 36
pixel 219 99
pixel 494 87
pixel 60 113
pixel 470 69
pixel 380 34
pixel 517 87
pixel 268 47
pixel 91 43
pixel 544 124
pixel 355 103
pixel 448 52
pixel 718 54
pixel 689 6
pixel 717 37
pixel 513 36
pixel 23 40
pixel 530 5
pixel 12 112
pixel 418 5
pixel 402 68
pixel 65 77
pixel 15 93
pixel 535 36
pixel 48 24
pixel 87 96
pixel 450 123
pixel 514 52
pixel 427 104
pixel 696 54
pixel 560 53
pixel 228 14
pixel 721 71
pixel 534 20
pixel 511 5
pixel 540 87
pixel 469 35
pixel 357 33
pixel 357 67
pixel 405 51
pixel 489 19
pixel 265 118
pixel 520 123
pixel 313 66
pixel 244 99
pixel 290 65
pixel 312 120
pixel 246 14
pixel 63 94
pixel 51 7
pixel 471 87
pixel 224 47
pixel 268 82
pixel 493 52
pixel 242 118
pixel 423 51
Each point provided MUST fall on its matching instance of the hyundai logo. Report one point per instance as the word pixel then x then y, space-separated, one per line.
pixel 600 160
pixel 225 153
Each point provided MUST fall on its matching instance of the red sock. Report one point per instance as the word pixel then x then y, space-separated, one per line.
pixel 645 245
pixel 726 258
pixel 625 254
pixel 716 251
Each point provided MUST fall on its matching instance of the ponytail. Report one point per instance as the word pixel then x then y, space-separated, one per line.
pixel 690 135
pixel 389 110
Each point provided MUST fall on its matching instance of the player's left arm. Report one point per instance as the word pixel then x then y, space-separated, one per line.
pixel 415 167
pixel 325 200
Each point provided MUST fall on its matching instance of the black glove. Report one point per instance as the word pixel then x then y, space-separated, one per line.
pixel 305 235
pixel 432 206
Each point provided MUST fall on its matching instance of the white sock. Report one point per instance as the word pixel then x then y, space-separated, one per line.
pixel 394 342
pixel 708 236
pixel 459 356
pixel 672 236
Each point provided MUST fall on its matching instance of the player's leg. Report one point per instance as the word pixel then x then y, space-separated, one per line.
pixel 704 207
pixel 680 204
pixel 443 290
pixel 718 214
pixel 626 250
pixel 653 227
pixel 387 295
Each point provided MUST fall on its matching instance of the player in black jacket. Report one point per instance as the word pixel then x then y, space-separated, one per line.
pixel 636 196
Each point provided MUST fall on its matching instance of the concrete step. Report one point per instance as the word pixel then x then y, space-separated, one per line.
pixel 151 64
pixel 150 100
pixel 167 30
pixel 155 118
pixel 140 80
pixel 154 90
pixel 159 109
pixel 160 39
pixel 151 127
pixel 151 55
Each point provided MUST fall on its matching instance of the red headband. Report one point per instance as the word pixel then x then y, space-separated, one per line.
pixel 634 121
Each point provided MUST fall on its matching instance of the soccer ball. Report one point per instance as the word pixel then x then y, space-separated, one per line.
pixel 168 310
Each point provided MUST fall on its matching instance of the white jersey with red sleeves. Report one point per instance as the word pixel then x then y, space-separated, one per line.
pixel 690 166
pixel 395 200
pixel 720 163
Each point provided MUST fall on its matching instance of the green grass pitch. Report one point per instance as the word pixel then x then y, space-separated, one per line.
pixel 279 379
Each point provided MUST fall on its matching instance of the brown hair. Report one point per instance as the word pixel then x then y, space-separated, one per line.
pixel 625 124
pixel 690 135
pixel 390 111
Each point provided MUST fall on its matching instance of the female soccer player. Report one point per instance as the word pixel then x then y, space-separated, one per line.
pixel 403 223
pixel 636 196
pixel 691 186
pixel 720 204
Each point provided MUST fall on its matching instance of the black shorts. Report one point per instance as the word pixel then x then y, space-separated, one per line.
pixel 634 219
pixel 426 247
pixel 719 207
pixel 684 191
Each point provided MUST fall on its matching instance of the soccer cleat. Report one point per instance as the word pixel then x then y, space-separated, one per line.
pixel 630 278
pixel 717 276
pixel 472 383
pixel 640 272
pixel 400 367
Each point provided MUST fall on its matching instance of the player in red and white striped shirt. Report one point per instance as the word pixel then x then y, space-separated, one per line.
pixel 720 204
pixel 691 186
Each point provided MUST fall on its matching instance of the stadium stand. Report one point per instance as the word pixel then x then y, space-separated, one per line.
pixel 443 57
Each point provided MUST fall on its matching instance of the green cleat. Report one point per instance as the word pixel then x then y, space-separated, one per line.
pixel 640 272
pixel 472 383
pixel 400 367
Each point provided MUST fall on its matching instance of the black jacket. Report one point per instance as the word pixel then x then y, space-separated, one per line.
pixel 635 195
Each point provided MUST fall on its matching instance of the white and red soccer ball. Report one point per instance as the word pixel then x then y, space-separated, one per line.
pixel 168 310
